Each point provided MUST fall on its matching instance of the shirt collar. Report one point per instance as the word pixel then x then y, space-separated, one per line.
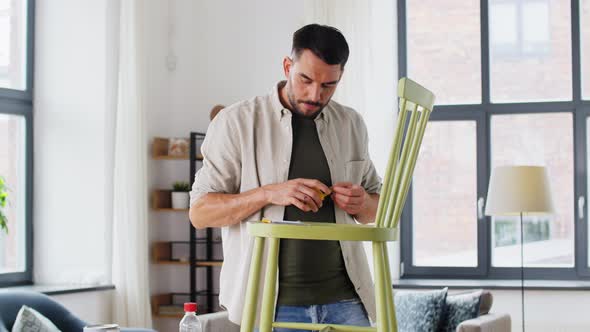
pixel 278 106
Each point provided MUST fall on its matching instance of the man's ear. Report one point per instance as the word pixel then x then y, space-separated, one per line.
pixel 287 65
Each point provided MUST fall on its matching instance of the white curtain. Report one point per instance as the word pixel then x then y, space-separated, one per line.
pixel 130 228
pixel 370 76
pixel 369 84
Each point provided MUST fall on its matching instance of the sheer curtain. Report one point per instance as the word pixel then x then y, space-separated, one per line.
pixel 369 83
pixel 130 229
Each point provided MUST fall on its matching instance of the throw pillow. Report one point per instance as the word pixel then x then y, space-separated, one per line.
pixel 30 320
pixel 459 308
pixel 485 303
pixel 419 311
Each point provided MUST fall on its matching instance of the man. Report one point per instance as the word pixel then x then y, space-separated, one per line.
pixel 275 156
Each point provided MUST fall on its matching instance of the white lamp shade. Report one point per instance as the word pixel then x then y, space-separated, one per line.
pixel 519 189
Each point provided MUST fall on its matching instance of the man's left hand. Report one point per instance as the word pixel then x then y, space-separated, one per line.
pixel 349 197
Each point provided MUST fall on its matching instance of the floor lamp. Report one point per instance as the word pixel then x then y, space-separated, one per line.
pixel 518 190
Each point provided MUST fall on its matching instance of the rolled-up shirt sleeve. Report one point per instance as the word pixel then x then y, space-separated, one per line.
pixel 221 170
pixel 371 180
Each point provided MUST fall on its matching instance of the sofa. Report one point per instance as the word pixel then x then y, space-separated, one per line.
pixel 12 300
pixel 485 322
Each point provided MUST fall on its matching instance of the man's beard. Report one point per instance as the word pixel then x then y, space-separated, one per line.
pixel 295 104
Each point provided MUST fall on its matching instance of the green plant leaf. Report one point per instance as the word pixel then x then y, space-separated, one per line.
pixel 3 202
pixel 3 222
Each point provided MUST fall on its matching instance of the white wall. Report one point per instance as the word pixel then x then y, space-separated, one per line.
pixel 226 51
pixel 71 154
pixel 91 307
pixel 69 165
pixel 546 311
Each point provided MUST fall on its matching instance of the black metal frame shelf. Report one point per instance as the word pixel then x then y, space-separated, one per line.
pixel 209 241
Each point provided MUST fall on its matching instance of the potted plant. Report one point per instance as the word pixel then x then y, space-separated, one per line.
pixel 3 202
pixel 180 199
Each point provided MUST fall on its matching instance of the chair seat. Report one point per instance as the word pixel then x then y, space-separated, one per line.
pixel 322 231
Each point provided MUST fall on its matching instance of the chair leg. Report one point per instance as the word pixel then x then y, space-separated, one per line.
pixel 389 291
pixel 270 283
pixel 380 285
pixel 251 303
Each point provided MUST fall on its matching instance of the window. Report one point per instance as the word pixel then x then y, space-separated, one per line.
pixel 530 50
pixel 509 80
pixel 446 239
pixel 520 28
pixel 12 168
pixel 13 42
pixel 536 139
pixel 435 44
pixel 16 113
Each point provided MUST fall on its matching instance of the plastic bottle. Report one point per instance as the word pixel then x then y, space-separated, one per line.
pixel 190 322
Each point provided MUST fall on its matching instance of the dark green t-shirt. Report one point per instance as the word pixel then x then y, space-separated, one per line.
pixel 311 271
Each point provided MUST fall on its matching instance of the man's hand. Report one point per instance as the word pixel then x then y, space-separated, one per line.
pixel 351 198
pixel 303 193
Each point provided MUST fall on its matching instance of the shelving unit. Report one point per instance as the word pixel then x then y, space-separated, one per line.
pixel 196 252
pixel 209 262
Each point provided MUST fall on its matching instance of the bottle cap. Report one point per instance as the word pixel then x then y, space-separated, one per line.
pixel 190 307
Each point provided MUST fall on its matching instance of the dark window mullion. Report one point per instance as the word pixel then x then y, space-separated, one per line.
pixel 483 162
pixel 581 190
pixel 30 49
pixel 485 52
pixel 576 52
pixel 483 169
pixel 402 44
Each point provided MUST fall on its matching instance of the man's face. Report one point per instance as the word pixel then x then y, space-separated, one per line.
pixel 311 83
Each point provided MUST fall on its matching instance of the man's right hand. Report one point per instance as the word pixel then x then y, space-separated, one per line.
pixel 303 193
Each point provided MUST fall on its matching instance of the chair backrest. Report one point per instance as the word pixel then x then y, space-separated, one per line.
pixel 12 300
pixel 419 101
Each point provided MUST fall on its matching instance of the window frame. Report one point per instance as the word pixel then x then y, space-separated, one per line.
pixel 482 113
pixel 20 103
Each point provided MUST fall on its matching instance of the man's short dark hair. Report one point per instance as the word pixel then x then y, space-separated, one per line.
pixel 326 42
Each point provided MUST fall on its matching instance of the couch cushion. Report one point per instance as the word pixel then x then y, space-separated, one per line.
pixel 419 311
pixel 460 307
pixel 30 320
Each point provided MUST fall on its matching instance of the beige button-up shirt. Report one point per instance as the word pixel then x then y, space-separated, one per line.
pixel 248 145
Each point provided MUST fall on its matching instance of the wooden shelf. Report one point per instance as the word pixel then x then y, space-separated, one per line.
pixel 158 302
pixel 171 305
pixel 199 263
pixel 162 254
pixel 160 149
pixel 178 316
pixel 162 201
pixel 171 210
pixel 171 157
pixel 199 157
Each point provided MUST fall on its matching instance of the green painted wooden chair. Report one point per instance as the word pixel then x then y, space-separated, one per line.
pixel 413 99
